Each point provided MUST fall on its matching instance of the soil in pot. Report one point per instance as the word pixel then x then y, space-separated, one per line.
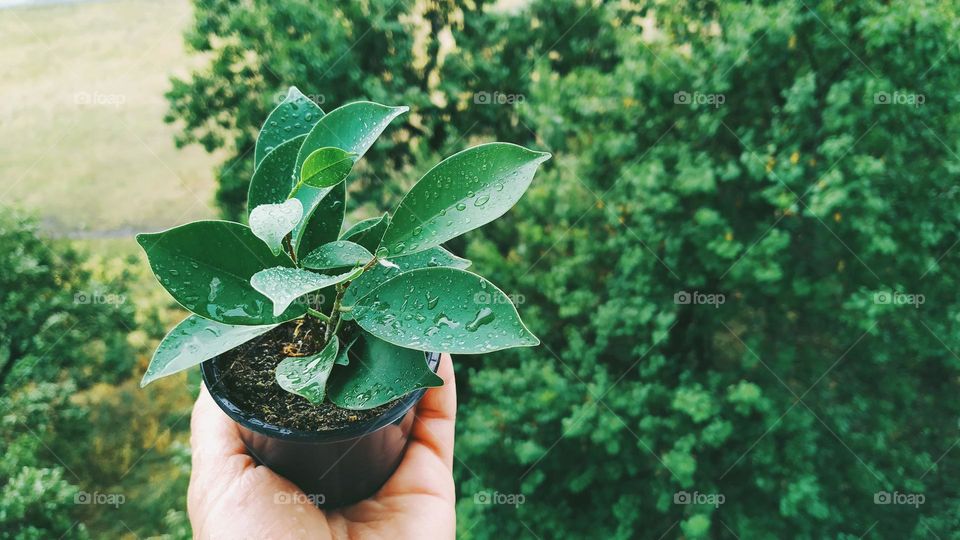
pixel 248 380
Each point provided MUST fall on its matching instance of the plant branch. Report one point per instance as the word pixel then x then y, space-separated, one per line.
pixel 288 240
pixel 319 315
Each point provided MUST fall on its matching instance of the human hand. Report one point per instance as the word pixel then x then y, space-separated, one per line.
pixel 232 497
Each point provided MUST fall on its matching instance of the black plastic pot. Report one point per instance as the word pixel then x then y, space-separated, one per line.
pixel 334 468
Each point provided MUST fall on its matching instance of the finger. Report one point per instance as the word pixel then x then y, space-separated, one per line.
pixel 216 452
pixel 436 414
pixel 213 435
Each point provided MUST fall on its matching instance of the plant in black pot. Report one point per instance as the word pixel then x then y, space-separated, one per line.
pixel 317 342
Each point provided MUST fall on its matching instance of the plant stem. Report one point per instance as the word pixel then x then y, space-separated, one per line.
pixel 319 315
pixel 288 240
pixel 333 322
pixel 334 319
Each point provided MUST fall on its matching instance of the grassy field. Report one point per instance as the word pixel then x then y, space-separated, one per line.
pixel 81 118
pixel 83 145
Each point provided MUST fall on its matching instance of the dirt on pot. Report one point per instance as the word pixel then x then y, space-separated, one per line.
pixel 248 380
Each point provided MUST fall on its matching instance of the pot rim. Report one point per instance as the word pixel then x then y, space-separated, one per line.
pixel 252 422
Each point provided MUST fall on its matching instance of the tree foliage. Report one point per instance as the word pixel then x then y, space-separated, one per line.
pixel 773 155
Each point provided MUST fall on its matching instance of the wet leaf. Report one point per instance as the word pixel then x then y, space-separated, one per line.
pixel 272 222
pixel 326 167
pixel 343 358
pixel 353 128
pixel 368 232
pixel 306 376
pixel 207 266
pixel 380 273
pixel 443 309
pixel 323 224
pixel 337 254
pixel 195 340
pixel 282 285
pixel 379 374
pixel 461 193
pixel 273 179
pixel 295 115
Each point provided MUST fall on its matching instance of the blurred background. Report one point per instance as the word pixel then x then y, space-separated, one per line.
pixel 742 260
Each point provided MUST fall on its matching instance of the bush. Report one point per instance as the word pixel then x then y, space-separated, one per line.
pixel 66 370
pixel 815 211
pixel 57 319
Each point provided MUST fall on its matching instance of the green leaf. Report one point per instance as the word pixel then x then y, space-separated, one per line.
pixel 282 285
pixel 343 358
pixel 306 376
pixel 463 192
pixel 380 373
pixel 295 115
pixel 195 340
pixel 326 167
pixel 207 266
pixel 392 268
pixel 272 222
pixel 368 232
pixel 273 179
pixel 337 254
pixel 353 128
pixel 443 309
pixel 323 223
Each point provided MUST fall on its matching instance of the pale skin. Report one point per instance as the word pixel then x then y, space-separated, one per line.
pixel 232 497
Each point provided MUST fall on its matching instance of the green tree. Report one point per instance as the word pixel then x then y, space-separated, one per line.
pixel 806 199
pixel 57 318
pixel 67 380
pixel 446 60
pixel 776 154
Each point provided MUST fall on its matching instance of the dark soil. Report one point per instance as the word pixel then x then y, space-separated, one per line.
pixel 248 380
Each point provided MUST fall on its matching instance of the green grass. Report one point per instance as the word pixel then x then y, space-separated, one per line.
pixel 83 140
pixel 84 146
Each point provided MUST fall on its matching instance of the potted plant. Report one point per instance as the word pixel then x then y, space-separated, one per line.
pixel 317 342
